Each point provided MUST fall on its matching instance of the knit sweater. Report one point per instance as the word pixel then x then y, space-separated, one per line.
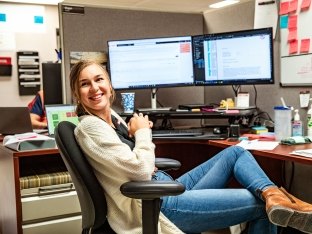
pixel 114 163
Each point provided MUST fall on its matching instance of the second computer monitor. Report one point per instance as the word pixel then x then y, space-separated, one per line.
pixel 234 58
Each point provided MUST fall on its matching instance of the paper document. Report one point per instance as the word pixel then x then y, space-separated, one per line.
pixel 28 141
pixel 258 145
pixel 304 153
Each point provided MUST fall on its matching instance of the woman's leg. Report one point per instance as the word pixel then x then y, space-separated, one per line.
pixel 206 206
pixel 219 170
pixel 196 211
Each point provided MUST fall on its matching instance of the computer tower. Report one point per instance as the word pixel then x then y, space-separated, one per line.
pixel 52 83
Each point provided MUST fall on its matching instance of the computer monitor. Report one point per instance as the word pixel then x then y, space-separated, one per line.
pixel 234 58
pixel 151 63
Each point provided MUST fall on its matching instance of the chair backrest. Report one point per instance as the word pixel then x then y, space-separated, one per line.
pixel 90 193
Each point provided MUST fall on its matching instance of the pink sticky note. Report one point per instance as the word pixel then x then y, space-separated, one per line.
pixel 293 5
pixel 284 8
pixel 293 47
pixel 292 34
pixel 292 21
pixel 305 5
pixel 305 45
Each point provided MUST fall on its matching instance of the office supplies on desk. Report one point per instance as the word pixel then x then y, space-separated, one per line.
pixel 258 145
pixel 14 120
pixel 196 106
pixel 304 153
pixel 28 141
pixel 58 113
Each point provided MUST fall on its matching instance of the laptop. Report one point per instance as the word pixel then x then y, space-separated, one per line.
pixel 14 120
pixel 60 112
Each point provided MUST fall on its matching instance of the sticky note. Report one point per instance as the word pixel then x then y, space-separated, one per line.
pixel 38 19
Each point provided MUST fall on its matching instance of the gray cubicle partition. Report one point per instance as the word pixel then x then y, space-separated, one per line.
pixel 88 28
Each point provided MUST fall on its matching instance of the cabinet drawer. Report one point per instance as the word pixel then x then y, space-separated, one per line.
pixel 70 225
pixel 49 206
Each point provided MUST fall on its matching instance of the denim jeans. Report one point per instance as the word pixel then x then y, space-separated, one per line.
pixel 208 204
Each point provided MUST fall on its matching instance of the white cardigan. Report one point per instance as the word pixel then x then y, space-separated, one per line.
pixel 114 163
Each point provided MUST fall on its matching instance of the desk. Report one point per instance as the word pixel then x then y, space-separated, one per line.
pixel 14 165
pixel 281 152
pixel 190 153
pixel 193 152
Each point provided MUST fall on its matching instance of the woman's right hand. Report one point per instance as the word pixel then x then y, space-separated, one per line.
pixel 137 122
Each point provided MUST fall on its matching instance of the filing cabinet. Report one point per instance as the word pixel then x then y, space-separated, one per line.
pixel 48 209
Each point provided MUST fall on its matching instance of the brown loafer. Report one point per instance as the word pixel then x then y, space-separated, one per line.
pixel 284 209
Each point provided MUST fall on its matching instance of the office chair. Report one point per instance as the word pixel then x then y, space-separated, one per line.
pixel 91 195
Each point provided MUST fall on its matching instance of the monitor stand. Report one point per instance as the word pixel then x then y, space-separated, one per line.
pixel 154 103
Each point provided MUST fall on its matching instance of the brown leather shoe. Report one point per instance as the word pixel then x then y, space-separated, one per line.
pixel 284 209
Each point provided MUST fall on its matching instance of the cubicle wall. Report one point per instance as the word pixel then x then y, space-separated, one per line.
pixel 89 31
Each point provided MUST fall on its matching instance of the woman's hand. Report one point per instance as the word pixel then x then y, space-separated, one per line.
pixel 137 122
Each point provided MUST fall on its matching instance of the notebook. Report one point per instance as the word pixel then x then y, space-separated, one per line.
pixel 15 120
pixel 57 113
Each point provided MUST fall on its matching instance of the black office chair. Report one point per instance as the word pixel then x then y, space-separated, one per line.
pixel 90 193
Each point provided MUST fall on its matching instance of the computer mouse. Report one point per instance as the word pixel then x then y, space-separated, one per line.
pixel 216 130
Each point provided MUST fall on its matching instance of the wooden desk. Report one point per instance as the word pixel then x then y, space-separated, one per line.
pixel 281 152
pixel 14 165
pixel 190 153
pixel 193 152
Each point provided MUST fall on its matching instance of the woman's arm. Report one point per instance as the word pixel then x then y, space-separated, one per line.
pixel 105 150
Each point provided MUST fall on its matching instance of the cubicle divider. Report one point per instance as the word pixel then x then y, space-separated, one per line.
pixel 88 28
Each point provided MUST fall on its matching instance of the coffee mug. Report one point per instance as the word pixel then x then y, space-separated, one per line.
pixel 127 100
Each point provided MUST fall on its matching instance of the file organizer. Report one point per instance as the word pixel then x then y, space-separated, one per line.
pixel 28 72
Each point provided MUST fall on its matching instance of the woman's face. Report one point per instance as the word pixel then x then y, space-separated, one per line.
pixel 95 89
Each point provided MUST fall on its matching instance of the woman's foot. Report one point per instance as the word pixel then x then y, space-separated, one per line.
pixel 284 209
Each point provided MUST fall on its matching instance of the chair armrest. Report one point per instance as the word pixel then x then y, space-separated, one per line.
pixel 167 164
pixel 151 189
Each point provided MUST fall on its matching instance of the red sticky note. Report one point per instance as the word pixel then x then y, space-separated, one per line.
pixel 293 47
pixel 305 5
pixel 305 45
pixel 284 8
pixel 292 21
pixel 292 34
pixel 293 5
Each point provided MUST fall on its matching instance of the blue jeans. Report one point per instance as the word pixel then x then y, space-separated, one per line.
pixel 207 204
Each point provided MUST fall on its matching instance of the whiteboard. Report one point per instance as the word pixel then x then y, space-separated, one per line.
pixel 296 69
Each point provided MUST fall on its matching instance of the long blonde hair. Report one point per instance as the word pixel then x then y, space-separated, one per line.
pixel 74 84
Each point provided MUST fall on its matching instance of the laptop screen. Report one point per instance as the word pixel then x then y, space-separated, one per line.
pixel 57 113
pixel 14 120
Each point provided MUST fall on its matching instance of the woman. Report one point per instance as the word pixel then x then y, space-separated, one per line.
pixel 119 153
pixel 37 112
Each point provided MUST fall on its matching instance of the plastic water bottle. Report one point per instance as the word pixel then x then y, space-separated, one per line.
pixel 297 129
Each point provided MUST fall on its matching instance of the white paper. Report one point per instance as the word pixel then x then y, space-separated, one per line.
pixel 258 145
pixel 13 141
pixel 266 15
pixel 305 153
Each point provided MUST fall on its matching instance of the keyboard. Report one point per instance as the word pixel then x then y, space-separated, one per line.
pixel 177 132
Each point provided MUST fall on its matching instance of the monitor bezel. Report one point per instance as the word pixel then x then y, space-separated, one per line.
pixel 271 80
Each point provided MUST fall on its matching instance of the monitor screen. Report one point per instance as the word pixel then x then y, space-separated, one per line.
pixel 151 62
pixel 234 58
